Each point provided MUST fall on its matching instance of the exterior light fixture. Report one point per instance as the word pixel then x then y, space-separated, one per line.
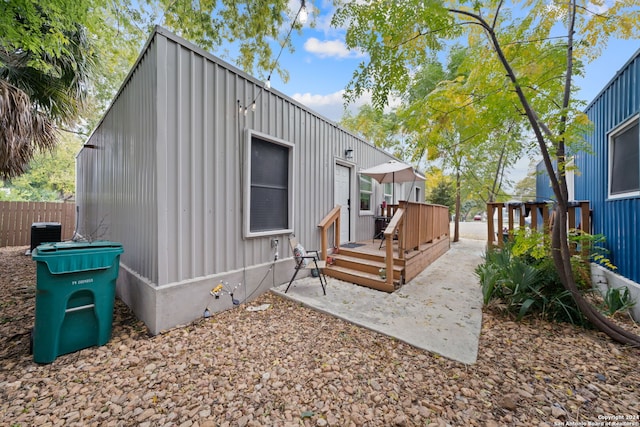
pixel 348 153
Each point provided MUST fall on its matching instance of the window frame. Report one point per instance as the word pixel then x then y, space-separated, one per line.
pixel 388 197
pixel 246 187
pixel 621 128
pixel 369 192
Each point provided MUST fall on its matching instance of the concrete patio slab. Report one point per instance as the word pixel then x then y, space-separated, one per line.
pixel 439 311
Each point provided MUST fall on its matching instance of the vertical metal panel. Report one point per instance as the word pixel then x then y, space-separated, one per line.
pixel 616 219
pixel 116 182
pixel 169 177
pixel 543 183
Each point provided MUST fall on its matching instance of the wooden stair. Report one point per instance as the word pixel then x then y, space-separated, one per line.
pixel 364 269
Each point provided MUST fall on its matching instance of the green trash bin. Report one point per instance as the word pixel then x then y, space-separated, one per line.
pixel 75 293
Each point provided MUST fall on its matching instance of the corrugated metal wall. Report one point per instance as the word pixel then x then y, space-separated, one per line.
pixel 182 219
pixel 616 219
pixel 543 183
pixel 116 181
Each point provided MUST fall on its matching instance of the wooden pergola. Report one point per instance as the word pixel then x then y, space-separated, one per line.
pixel 541 218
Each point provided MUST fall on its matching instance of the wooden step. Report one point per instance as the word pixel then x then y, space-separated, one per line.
pixel 361 278
pixel 365 265
pixel 380 257
pixel 362 255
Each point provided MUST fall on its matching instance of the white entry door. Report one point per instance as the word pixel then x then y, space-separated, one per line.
pixel 342 194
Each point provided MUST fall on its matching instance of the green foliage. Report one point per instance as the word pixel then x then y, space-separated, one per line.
pixel 46 65
pixel 523 277
pixel 250 24
pixel 46 53
pixel 384 130
pixel 66 59
pixel 525 189
pixel 516 73
pixel 525 283
pixel 617 300
pixel 443 194
pixel 50 176
pixel 595 244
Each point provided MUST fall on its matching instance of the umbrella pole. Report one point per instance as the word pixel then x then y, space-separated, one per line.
pixel 393 187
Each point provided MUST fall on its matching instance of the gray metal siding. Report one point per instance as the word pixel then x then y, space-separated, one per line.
pixel 172 182
pixel 616 219
pixel 116 182
pixel 201 183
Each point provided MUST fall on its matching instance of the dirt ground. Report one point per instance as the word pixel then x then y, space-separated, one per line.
pixel 290 365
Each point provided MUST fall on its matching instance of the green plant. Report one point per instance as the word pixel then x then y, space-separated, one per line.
pixel 525 281
pixel 617 300
pixel 594 242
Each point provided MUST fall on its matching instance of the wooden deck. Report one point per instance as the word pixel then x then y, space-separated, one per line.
pixel 415 235
pixel 360 262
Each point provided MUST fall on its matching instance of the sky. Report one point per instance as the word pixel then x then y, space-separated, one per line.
pixel 321 67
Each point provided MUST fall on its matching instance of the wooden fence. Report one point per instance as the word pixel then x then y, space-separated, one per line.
pixel 16 219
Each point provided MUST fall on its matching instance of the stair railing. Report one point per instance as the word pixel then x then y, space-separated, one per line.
pixel 394 226
pixel 333 217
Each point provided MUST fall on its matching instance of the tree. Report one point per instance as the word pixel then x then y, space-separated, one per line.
pixel 62 59
pixel 450 122
pixel 525 189
pixel 443 194
pixel 384 130
pixel 45 64
pixel 49 176
pixel 534 49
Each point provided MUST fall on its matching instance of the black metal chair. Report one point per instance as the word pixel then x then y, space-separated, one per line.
pixel 309 260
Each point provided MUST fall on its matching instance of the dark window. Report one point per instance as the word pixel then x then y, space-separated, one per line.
pixel 269 182
pixel 625 162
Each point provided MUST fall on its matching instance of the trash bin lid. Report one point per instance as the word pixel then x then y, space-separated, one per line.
pixel 69 257
pixel 49 248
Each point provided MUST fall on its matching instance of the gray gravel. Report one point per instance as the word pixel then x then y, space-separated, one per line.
pixel 289 365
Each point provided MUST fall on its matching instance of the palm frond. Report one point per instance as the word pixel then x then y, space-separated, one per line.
pixel 22 130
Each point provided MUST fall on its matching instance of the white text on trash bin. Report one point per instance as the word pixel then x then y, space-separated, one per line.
pixel 82 282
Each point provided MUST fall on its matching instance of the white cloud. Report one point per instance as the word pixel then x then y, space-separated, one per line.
pixel 599 9
pixel 332 105
pixel 330 48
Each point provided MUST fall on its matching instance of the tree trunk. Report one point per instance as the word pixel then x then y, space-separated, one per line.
pixel 456 225
pixel 559 237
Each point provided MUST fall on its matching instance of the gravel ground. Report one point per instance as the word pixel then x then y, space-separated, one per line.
pixel 290 365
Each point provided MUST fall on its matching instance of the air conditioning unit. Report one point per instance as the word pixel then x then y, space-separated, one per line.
pixel 45 232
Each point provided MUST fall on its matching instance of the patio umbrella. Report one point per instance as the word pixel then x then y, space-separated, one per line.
pixel 392 171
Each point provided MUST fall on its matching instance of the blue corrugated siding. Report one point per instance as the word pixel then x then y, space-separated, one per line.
pixel 543 183
pixel 616 219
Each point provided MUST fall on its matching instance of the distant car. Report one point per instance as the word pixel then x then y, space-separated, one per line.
pixel 477 217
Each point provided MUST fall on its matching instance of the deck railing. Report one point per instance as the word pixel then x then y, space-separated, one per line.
pixel 414 224
pixel 540 214
pixel 332 218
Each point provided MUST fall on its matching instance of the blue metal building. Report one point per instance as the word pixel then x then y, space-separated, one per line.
pixel 609 177
pixel 543 183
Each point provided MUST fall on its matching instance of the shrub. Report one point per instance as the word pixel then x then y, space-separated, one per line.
pixel 617 300
pixel 523 278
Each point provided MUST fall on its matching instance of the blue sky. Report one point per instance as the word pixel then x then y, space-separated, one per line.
pixel 321 67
